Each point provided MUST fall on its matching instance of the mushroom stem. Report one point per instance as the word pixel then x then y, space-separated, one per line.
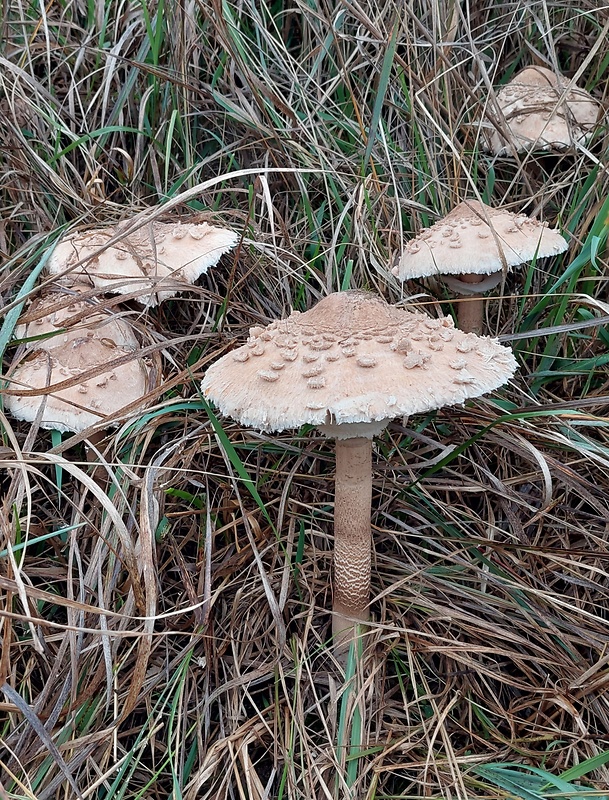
pixel 470 313
pixel 352 537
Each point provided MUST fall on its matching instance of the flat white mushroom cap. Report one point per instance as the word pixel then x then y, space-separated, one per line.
pixel 353 358
pixel 58 321
pixel 158 260
pixel 89 400
pixel 472 238
pixel 536 116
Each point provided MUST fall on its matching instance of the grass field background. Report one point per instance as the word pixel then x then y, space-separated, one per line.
pixel 165 632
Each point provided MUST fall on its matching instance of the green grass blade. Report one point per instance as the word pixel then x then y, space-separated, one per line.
pixel 381 92
pixel 12 316
pixel 586 766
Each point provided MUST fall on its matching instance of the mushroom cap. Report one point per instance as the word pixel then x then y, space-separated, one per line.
pixel 353 358
pixel 159 260
pixel 463 242
pixel 85 403
pixel 536 116
pixel 54 319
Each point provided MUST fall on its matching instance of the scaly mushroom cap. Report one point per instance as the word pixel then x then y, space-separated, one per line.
pixel 537 118
pixel 472 238
pixel 88 401
pixel 158 260
pixel 353 358
pixel 60 322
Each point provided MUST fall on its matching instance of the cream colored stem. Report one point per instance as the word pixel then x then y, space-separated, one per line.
pixel 470 314
pixel 352 537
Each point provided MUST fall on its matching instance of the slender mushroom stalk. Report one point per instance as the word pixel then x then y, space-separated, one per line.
pixel 471 289
pixel 352 535
pixel 470 312
pixel 348 366
pixel 474 244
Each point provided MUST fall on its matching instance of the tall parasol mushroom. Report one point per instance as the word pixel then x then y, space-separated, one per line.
pixel 348 366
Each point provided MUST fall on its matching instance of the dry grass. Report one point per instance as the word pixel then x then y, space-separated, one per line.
pixel 165 632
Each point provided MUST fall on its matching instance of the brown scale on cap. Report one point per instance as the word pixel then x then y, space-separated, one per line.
pixel 377 362
pixel 157 260
pixel 539 115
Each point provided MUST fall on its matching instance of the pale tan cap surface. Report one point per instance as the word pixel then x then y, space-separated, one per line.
pixel 158 260
pixel 88 401
pixel 353 358
pixel 61 320
pixel 471 240
pixel 536 119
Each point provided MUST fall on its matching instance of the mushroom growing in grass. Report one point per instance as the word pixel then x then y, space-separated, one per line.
pixel 348 366
pixel 538 114
pixel 154 262
pixel 80 376
pixel 469 249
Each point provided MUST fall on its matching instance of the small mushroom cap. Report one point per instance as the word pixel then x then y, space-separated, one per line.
pixel 61 320
pixel 468 241
pixel 158 260
pixel 353 358
pixel 86 402
pixel 536 116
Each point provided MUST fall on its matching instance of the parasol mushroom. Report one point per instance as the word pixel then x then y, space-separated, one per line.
pixel 155 262
pixel 348 366
pixel 72 337
pixel 469 249
pixel 76 386
pixel 539 114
